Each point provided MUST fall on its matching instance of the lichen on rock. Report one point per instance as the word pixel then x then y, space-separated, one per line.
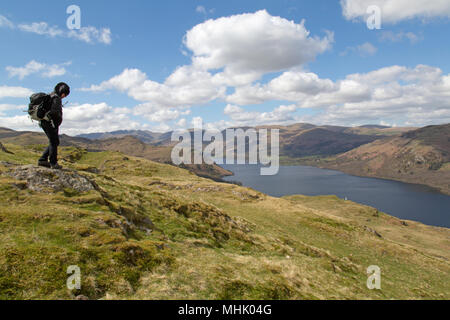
pixel 42 179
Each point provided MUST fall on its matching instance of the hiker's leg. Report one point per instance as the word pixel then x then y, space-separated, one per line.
pixel 53 138
pixel 46 154
pixel 53 147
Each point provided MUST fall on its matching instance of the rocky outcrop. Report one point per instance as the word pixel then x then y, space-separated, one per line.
pixel 41 179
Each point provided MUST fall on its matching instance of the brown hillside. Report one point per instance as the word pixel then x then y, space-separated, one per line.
pixel 421 156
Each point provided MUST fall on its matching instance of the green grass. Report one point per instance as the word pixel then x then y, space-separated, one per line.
pixel 154 231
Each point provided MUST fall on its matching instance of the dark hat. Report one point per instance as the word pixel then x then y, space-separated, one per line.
pixel 62 88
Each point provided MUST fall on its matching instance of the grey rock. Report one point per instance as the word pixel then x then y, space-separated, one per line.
pixel 41 179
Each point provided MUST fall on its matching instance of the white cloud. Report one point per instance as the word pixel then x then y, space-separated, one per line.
pixel 19 123
pixel 79 119
pixel 241 47
pixel 400 36
pixel 235 52
pixel 364 50
pixel 396 94
pixel 182 123
pixel 397 10
pixel 47 71
pixel 367 49
pixel 295 85
pixel 42 28
pixel 250 43
pixel 154 113
pixel 14 92
pixel 123 82
pixel 86 34
pixel 187 86
pixel 203 10
pixel 99 117
pixel 11 107
pixel 419 96
pixel 279 115
pixel 92 35
pixel 87 118
pixel 5 22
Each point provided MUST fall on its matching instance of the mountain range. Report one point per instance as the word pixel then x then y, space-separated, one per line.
pixel 414 155
pixel 419 156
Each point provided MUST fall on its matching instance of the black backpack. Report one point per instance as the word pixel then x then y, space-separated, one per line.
pixel 39 107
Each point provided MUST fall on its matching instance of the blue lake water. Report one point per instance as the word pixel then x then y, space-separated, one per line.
pixel 402 200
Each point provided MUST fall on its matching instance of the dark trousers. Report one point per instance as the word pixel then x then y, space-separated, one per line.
pixel 51 153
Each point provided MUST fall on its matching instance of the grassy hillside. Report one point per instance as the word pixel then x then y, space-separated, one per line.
pixel 146 230
pixel 421 156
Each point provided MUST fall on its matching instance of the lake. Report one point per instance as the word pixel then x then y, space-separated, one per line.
pixel 402 200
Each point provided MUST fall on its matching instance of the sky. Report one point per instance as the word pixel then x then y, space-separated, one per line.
pixel 166 65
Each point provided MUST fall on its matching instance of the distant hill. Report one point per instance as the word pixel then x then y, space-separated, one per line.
pixel 374 126
pixel 420 156
pixel 145 136
pixel 321 141
pixel 129 145
pixel 296 141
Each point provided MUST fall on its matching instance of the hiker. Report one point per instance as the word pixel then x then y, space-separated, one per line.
pixel 51 126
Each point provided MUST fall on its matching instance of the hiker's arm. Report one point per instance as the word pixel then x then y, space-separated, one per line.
pixel 56 110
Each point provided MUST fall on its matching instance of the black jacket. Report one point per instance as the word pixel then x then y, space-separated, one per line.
pixel 56 112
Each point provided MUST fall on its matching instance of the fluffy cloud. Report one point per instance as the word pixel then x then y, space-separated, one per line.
pixel 397 10
pixel 41 28
pixel 407 96
pixel 242 47
pixel 154 113
pixel 235 52
pixel 87 118
pixel 11 107
pixel 78 119
pixel 397 94
pixel 48 71
pixel 20 123
pixel 14 92
pixel 185 87
pixel 250 44
pixel 87 34
pixel 99 117
pixel 91 35
pixel 279 115
pixel 291 85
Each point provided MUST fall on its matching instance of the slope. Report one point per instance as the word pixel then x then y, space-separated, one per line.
pixel 145 230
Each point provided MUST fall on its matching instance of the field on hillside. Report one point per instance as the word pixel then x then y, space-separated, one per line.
pixel 146 230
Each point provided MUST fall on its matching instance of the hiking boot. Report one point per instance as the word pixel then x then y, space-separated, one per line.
pixel 45 164
pixel 56 166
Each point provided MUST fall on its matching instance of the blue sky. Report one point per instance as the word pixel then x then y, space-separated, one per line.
pixel 239 63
